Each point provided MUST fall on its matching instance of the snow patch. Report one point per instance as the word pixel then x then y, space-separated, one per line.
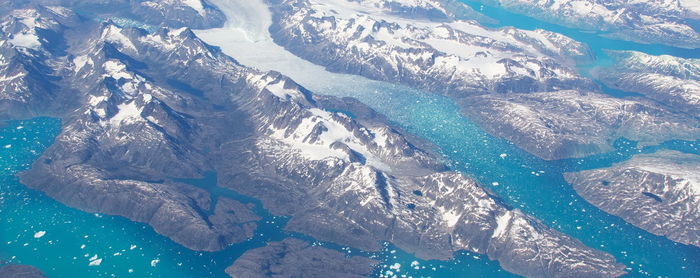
pixel 114 34
pixel 451 217
pixel 116 70
pixel 80 62
pixel 128 113
pixel 196 5
pixel 26 40
pixel 502 222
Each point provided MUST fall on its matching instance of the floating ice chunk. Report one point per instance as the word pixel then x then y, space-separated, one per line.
pixel 415 265
pixel 39 234
pixel 154 262
pixel 503 155
pixel 132 247
pixel 396 266
pixel 495 183
pixel 95 262
pixel 82 246
pixel 8 146
pixel 20 127
pixel 131 270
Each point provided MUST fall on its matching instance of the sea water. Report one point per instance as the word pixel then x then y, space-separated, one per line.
pixel 63 242
pixel 524 181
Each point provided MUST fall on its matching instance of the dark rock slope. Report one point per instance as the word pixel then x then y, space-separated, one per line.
pixel 296 258
pixel 20 271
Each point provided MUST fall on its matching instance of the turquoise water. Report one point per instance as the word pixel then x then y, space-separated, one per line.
pixel 595 40
pixel 534 185
pixel 73 239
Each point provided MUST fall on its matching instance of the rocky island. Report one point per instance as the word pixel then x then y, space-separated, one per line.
pixel 296 258
pixel 658 192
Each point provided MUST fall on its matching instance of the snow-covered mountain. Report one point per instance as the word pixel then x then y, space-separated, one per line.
pixel 28 39
pixel 658 21
pixel 173 13
pixel 572 123
pixel 457 58
pixel 149 108
pixel 502 78
pixel 658 192
pixel 670 80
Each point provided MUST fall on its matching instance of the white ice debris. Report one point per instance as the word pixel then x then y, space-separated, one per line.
pixel 94 260
pixel 396 267
pixel 415 265
pixel 154 262
pixel 39 234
